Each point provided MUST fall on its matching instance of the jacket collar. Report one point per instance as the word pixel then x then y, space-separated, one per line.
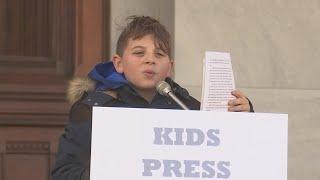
pixel 127 94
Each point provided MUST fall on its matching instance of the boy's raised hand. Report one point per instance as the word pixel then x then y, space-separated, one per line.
pixel 240 104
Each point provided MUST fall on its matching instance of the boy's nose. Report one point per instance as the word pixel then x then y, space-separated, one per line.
pixel 149 60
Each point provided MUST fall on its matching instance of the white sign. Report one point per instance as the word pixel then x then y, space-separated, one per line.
pixel 156 144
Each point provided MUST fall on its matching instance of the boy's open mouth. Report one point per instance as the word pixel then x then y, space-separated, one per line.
pixel 149 73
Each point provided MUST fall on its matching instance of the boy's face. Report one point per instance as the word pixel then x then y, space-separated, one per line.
pixel 143 64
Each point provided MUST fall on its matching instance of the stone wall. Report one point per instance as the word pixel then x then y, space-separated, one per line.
pixel 275 51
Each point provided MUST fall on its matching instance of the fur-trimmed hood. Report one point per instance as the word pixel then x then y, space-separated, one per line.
pixel 102 77
pixel 77 87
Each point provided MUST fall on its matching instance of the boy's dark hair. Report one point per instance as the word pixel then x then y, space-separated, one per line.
pixel 140 26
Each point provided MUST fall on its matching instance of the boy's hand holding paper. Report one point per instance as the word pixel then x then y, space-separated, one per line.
pixel 218 90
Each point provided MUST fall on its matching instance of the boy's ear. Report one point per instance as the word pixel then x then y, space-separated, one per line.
pixel 171 69
pixel 117 62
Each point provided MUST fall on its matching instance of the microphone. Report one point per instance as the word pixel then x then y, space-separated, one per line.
pixel 164 89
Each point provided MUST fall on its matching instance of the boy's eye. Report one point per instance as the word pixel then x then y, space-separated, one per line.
pixel 139 53
pixel 159 54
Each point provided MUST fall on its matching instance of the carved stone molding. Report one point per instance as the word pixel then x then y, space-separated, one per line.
pixel 27 147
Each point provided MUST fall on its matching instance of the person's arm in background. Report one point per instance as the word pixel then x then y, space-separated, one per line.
pixel 73 157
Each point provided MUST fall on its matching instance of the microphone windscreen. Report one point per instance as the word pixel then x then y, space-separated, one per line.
pixel 163 88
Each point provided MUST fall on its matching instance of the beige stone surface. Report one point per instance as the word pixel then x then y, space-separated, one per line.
pixel 272 43
pixel 275 50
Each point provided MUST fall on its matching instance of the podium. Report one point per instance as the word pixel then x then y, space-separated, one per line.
pixel 154 144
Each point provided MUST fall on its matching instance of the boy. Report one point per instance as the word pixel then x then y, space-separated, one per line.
pixel 143 58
